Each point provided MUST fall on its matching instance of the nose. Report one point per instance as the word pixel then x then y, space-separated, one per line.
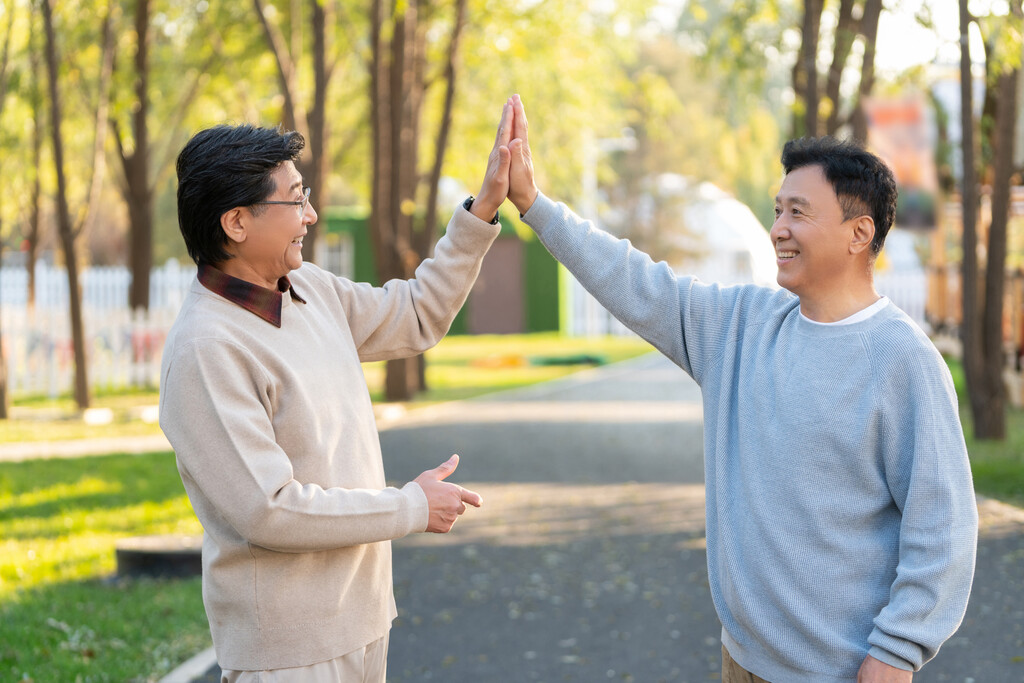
pixel 309 216
pixel 779 231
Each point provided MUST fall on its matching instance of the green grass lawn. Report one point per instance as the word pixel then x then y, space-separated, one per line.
pixel 457 368
pixel 62 615
pixel 998 466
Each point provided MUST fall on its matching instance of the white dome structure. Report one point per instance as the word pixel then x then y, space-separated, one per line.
pixel 726 242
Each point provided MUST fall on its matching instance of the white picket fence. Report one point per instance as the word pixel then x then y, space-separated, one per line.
pixel 123 348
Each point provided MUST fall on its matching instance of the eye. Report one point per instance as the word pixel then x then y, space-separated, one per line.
pixel 778 212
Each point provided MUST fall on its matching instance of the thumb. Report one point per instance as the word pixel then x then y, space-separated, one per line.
pixel 445 469
pixel 516 149
pixel 504 160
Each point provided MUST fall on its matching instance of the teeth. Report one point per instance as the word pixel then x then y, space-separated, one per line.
pixel 787 254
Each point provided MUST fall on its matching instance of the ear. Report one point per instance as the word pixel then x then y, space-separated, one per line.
pixel 232 222
pixel 862 235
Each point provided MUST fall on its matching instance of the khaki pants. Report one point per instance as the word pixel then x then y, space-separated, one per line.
pixel 366 665
pixel 734 673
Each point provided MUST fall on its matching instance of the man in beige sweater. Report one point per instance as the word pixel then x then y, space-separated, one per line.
pixel 264 401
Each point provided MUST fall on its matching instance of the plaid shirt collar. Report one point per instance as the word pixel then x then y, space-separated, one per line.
pixel 265 303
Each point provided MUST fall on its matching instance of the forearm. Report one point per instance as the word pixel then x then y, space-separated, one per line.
pixel 407 317
pixel 938 531
pixel 238 475
pixel 644 295
pixel 253 490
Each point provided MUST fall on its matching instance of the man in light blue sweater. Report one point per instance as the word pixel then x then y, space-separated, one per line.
pixel 841 519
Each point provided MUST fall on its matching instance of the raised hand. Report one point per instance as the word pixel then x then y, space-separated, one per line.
pixel 446 501
pixel 522 187
pixel 495 186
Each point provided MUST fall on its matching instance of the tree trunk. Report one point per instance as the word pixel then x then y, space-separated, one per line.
pixel 397 77
pixel 990 423
pixel 140 191
pixel 285 68
pixel 970 330
pixel 67 236
pixel 315 170
pixel 805 71
pixel 869 29
pixel 33 236
pixel 5 402
pixel 846 32
pixel 313 125
pixel 430 227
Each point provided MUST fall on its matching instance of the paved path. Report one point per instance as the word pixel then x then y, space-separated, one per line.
pixel 587 562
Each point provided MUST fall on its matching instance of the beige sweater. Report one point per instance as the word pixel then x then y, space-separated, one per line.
pixel 279 453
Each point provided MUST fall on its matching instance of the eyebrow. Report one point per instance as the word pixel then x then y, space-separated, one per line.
pixel 800 201
pixel 296 185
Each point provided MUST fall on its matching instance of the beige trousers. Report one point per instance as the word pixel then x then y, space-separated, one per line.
pixel 366 665
pixel 734 673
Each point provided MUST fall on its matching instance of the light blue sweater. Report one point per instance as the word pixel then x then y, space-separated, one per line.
pixel 841 518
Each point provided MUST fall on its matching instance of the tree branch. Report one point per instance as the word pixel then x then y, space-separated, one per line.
pixel 292 116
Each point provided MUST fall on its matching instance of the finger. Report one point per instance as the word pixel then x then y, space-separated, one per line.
pixel 504 161
pixel 505 126
pixel 471 497
pixel 517 149
pixel 520 126
pixel 444 470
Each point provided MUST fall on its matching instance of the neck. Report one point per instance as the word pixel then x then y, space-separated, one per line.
pixel 236 267
pixel 837 305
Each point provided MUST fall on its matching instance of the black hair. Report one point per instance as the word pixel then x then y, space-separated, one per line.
pixel 862 182
pixel 221 168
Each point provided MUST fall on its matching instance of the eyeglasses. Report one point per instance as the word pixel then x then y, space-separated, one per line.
pixel 301 203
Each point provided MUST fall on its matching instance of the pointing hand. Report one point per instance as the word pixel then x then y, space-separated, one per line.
pixel 446 501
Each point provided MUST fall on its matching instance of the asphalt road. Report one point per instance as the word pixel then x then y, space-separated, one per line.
pixel 587 561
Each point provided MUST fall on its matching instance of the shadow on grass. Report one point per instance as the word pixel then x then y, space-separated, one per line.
pixel 58 486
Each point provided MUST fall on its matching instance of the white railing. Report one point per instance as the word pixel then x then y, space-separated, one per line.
pixel 123 348
pixel 908 289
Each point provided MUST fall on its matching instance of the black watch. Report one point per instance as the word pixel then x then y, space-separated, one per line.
pixel 469 202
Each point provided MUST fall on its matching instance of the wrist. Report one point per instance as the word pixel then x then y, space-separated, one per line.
pixel 524 203
pixel 482 209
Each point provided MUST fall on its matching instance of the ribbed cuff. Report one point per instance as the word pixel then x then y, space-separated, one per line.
pixel 418 510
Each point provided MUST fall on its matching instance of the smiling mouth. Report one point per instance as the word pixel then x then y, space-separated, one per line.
pixel 786 255
pixel 298 240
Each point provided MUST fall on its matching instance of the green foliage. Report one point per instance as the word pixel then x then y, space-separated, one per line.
pixel 577 65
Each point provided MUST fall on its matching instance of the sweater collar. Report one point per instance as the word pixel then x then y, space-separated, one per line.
pixel 263 302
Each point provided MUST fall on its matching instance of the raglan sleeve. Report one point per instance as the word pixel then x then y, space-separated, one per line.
pixel 929 475
pixel 680 316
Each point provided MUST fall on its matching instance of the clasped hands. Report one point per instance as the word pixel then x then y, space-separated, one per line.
pixel 509 167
